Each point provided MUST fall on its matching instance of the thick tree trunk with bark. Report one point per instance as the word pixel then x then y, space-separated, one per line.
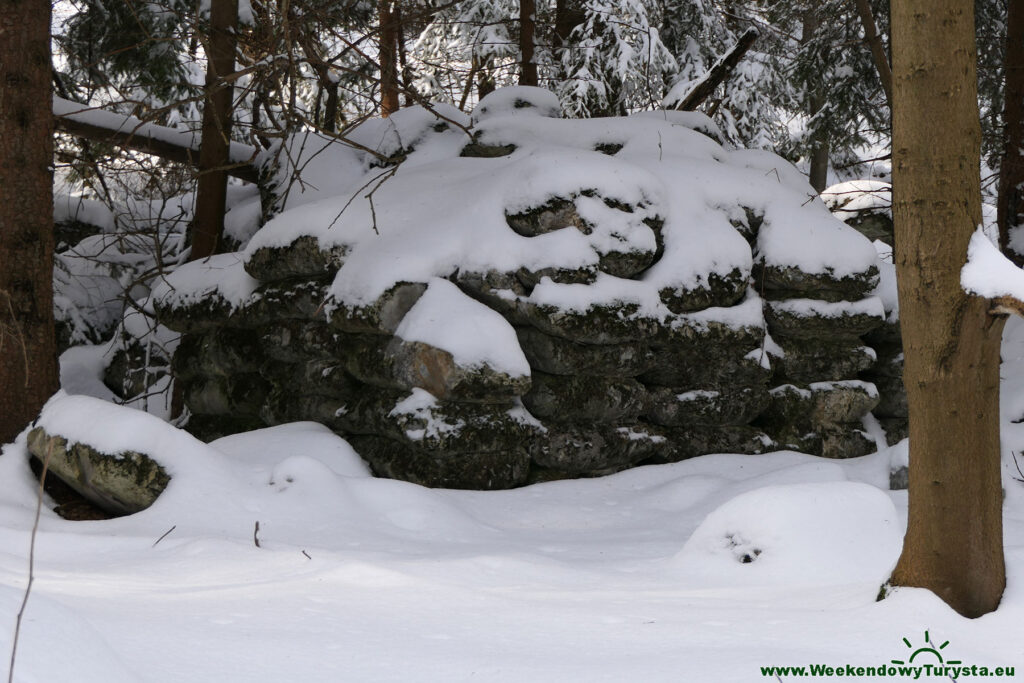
pixel 527 29
pixel 1010 204
pixel 388 51
pixel 214 151
pixel 28 355
pixel 953 545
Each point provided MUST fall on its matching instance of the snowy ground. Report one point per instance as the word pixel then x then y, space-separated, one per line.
pixel 637 576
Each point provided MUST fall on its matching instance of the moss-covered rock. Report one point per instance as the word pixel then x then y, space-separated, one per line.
pixel 733 406
pixel 566 276
pixel 208 314
pixel 812 360
pixel 303 258
pixel 416 364
pixel 317 377
pixel 293 341
pixel 711 355
pixel 794 409
pixel 789 282
pixel 689 442
pixel 713 290
pixel 211 427
pixel 875 225
pixel 625 262
pixel 134 369
pixel 835 321
pixel 380 317
pixel 219 353
pixel 302 300
pixel 892 396
pixel 896 429
pixel 823 419
pixel 887 375
pixel 241 394
pixel 844 401
pixel 555 214
pixel 417 420
pixel 366 357
pixel 747 222
pixel 560 398
pixel 578 449
pixel 600 324
pixel 484 471
pixel 481 150
pixel 886 335
pixel 500 291
pixel 558 356
pixel 119 483
pixel 843 441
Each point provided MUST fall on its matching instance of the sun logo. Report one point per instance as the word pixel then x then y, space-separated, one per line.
pixel 930 649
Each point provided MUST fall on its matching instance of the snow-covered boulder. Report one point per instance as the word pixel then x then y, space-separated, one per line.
pixel 865 205
pixel 118 473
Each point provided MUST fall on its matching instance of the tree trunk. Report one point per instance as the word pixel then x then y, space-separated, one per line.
pixel 527 29
pixel 874 41
pixel 214 150
pixel 388 50
pixel 28 354
pixel 1010 204
pixel 818 174
pixel 953 545
pixel 568 15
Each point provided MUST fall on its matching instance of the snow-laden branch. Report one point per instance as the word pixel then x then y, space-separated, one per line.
pixel 696 92
pixel 181 146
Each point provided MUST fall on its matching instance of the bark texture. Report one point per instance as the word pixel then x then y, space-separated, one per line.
pixel 953 545
pixel 28 356
pixel 874 41
pixel 214 157
pixel 527 29
pixel 1010 204
pixel 818 173
pixel 389 100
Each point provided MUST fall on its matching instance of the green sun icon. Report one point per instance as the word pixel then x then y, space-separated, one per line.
pixel 929 649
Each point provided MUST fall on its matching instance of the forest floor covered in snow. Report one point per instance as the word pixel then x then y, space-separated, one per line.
pixel 704 570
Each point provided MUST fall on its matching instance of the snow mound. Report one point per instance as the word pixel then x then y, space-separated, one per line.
pixel 57 643
pixel 221 277
pixel 851 198
pixel 815 534
pixel 68 207
pixel 263 448
pixel 988 273
pixel 474 334
pixel 521 99
pixel 405 129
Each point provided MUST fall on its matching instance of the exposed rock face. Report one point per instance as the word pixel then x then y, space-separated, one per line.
pixel 643 347
pixel 610 386
pixel 119 483
pixel 303 258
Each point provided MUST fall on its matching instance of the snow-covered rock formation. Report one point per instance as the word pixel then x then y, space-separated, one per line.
pixel 537 298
